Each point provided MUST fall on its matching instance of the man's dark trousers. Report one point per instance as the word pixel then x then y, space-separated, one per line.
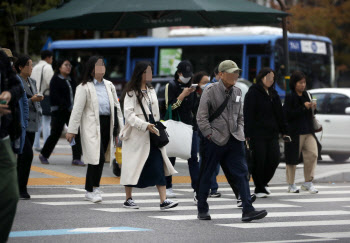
pixel 232 156
pixel 8 188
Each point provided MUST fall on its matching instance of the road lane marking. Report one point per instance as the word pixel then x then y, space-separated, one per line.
pixel 50 172
pixel 287 224
pixel 188 208
pixel 225 189
pixel 122 194
pixel 312 200
pixel 122 201
pixel 74 231
pixel 270 215
pixel 329 235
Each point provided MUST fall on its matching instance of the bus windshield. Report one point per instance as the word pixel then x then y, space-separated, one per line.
pixel 317 67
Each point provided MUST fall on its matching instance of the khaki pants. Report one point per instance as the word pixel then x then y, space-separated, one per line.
pixel 308 146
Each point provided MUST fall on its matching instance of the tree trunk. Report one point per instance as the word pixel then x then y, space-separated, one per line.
pixel 25 40
pixel 16 38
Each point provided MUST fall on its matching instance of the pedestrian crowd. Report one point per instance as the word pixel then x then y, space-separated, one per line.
pixel 240 136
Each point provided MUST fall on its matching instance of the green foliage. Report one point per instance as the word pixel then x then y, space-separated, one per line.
pixel 327 18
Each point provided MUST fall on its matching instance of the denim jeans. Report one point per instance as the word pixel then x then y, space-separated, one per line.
pixel 45 128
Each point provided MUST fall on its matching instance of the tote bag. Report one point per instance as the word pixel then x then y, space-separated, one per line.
pixel 180 136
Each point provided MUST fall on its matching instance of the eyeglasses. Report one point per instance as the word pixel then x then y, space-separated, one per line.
pixel 68 65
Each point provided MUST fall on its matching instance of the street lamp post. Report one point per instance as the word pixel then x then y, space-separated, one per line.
pixel 285 45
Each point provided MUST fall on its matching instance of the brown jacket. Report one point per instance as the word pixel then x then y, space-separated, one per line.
pixel 230 122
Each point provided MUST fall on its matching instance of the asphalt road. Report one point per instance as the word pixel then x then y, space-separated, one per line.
pixel 57 211
pixel 59 214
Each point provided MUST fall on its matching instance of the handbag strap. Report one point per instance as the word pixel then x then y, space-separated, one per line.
pixel 41 77
pixel 222 107
pixel 312 111
pixel 143 109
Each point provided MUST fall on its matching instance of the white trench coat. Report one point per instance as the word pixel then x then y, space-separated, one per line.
pixel 85 114
pixel 136 139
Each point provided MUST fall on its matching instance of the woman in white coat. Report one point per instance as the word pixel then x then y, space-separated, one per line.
pixel 94 110
pixel 144 164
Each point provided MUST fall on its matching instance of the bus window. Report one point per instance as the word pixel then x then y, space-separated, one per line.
pixel 316 66
pixel 206 58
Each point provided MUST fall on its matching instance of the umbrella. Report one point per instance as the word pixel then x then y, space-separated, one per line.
pixel 134 14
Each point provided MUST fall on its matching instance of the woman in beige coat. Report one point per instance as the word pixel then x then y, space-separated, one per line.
pixel 144 164
pixel 94 111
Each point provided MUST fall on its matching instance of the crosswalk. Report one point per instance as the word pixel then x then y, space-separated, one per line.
pixel 329 208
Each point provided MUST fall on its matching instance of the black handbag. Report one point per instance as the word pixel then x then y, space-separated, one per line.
pixel 161 140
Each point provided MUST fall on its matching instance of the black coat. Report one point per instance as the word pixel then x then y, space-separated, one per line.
pixel 295 112
pixel 187 109
pixel 59 92
pixel 263 114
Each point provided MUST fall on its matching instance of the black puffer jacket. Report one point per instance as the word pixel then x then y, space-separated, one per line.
pixel 263 114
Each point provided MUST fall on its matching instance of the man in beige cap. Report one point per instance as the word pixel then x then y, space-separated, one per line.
pixel 220 119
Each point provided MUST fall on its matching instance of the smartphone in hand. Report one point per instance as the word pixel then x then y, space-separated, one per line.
pixel 72 142
pixel 287 139
pixel 194 86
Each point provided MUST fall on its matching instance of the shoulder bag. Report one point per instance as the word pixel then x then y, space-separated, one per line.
pixel 315 123
pixel 45 103
pixel 158 141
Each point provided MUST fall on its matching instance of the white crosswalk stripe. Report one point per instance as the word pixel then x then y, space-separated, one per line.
pixel 284 209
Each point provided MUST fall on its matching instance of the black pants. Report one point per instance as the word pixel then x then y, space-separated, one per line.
pixel 24 162
pixel 266 153
pixel 58 120
pixel 225 169
pixel 94 172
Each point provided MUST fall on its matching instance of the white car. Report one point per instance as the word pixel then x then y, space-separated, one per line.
pixel 333 106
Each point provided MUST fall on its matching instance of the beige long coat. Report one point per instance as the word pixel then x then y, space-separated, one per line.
pixel 136 139
pixel 85 114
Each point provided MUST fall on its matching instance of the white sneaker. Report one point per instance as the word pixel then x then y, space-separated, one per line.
pixel 309 186
pixel 268 190
pixel 170 193
pixel 293 188
pixel 261 195
pixel 92 197
pixel 98 192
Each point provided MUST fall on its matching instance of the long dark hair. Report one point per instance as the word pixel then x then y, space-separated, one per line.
pixel 135 82
pixel 296 77
pixel 263 72
pixel 90 69
pixel 59 64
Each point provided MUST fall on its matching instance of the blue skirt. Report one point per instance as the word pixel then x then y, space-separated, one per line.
pixel 153 171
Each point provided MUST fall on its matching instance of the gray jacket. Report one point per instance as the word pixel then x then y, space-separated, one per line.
pixel 35 111
pixel 230 122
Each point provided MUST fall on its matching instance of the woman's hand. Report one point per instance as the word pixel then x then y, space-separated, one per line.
pixel 308 105
pixel 69 137
pixel 186 92
pixel 36 98
pixel 150 128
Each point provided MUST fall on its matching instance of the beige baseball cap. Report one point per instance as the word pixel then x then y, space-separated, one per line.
pixel 7 51
pixel 228 66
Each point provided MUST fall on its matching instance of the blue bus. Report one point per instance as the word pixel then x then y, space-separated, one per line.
pixel 251 51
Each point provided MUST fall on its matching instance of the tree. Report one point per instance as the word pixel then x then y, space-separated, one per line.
pixel 18 10
pixel 329 18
